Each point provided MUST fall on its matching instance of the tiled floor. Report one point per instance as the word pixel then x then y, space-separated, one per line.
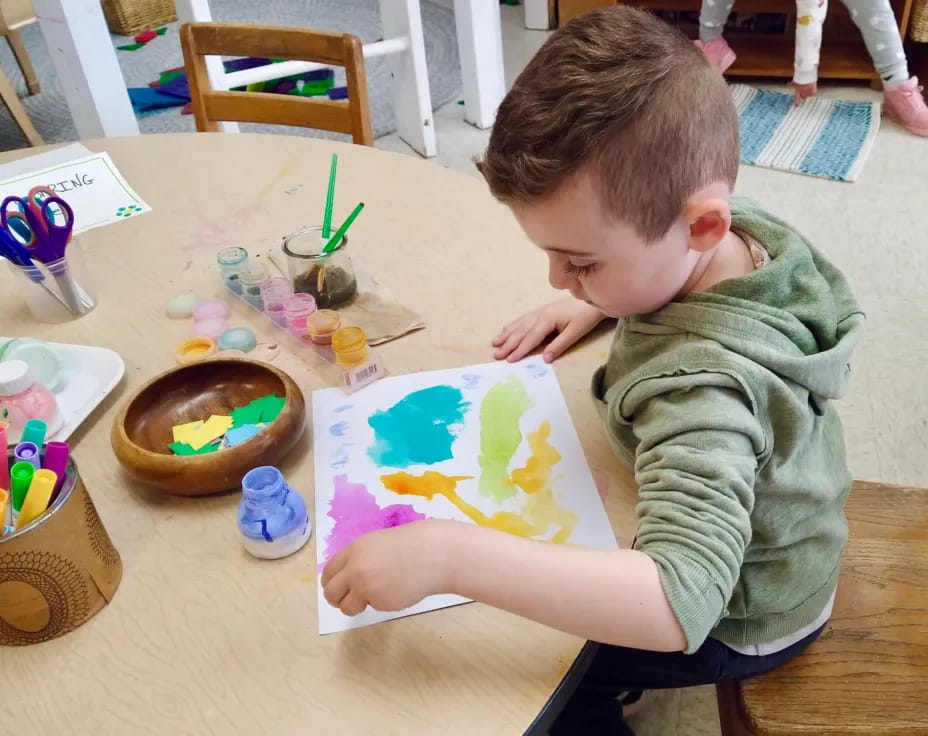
pixel 875 229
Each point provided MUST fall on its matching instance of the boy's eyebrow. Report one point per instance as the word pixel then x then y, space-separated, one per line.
pixel 569 252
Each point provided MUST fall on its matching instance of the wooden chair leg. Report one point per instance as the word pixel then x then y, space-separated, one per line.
pixel 15 106
pixel 15 40
pixel 731 713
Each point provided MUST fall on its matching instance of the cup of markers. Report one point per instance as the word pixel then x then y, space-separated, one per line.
pixel 34 479
pixel 53 545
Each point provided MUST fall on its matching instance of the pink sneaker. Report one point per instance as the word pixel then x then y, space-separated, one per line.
pixel 718 52
pixel 906 106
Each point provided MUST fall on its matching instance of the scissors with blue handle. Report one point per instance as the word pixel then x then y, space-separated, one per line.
pixel 38 229
pixel 33 200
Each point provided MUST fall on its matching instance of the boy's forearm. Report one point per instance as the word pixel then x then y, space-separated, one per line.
pixel 610 596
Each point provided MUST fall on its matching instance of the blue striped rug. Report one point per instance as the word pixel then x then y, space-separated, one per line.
pixel 826 138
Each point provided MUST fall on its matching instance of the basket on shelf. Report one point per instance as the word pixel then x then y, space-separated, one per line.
pixel 918 30
pixel 128 17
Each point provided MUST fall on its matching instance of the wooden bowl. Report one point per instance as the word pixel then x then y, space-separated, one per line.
pixel 142 431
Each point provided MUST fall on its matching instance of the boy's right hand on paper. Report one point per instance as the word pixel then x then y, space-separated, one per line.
pixel 570 317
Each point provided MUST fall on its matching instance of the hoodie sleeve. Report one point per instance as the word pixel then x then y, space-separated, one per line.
pixel 695 467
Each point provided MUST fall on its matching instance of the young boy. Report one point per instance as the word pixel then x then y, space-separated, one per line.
pixel 617 150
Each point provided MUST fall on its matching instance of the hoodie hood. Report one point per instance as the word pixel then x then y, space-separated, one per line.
pixel 796 316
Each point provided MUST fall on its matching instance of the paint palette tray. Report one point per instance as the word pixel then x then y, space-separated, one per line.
pixel 321 356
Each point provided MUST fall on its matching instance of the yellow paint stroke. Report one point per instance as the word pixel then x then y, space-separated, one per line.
pixel 804 20
pixel 536 475
pixel 431 484
pixel 541 510
pixel 539 513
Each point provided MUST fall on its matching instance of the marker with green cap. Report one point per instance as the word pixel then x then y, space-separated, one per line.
pixel 34 431
pixel 21 475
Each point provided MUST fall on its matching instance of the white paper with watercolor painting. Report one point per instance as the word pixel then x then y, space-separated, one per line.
pixel 490 444
pixel 92 185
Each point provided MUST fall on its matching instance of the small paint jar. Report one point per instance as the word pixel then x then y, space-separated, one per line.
pixel 329 278
pixel 321 325
pixel 232 261
pixel 272 517
pixel 296 309
pixel 23 398
pixel 350 347
pixel 251 280
pixel 273 293
pixel 238 338
pixel 194 349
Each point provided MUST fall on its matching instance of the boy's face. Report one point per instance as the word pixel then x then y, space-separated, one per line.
pixel 606 264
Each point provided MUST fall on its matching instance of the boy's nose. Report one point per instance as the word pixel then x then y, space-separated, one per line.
pixel 558 277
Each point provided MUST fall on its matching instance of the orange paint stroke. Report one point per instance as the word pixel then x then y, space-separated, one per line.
pixel 536 475
pixel 539 513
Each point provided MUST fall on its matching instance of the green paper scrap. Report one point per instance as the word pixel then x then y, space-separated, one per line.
pixel 162 31
pixel 131 47
pixel 169 77
pixel 271 408
pixel 250 414
pixel 182 448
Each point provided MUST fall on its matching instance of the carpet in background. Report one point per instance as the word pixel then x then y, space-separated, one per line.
pixel 49 111
pixel 825 138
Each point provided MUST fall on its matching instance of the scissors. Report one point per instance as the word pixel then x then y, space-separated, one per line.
pixel 35 226
pixel 45 240
pixel 33 200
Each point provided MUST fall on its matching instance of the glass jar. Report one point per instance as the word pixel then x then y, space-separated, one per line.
pixel 232 261
pixel 274 292
pixel 23 398
pixel 272 517
pixel 329 278
pixel 296 309
pixel 350 347
pixel 252 279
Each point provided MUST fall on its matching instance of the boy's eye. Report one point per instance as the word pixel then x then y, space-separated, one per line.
pixel 580 271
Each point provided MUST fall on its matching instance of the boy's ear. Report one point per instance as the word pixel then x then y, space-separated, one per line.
pixel 709 220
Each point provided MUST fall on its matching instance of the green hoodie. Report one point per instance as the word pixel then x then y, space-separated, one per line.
pixel 722 402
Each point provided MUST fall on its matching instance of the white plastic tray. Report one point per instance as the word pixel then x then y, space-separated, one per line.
pixel 91 374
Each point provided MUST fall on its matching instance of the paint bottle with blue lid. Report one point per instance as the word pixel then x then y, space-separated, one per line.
pixel 272 517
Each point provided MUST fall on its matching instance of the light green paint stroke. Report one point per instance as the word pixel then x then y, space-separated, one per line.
pixel 500 437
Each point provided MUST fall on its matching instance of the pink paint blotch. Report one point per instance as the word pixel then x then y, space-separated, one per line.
pixel 355 512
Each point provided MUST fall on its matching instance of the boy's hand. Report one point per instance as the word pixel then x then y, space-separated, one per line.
pixel 390 569
pixel 801 91
pixel 570 317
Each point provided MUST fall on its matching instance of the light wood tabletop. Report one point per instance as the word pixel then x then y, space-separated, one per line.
pixel 200 638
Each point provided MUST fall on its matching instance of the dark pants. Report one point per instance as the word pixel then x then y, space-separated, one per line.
pixel 594 709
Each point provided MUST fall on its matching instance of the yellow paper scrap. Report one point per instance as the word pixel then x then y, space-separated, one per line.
pixel 183 432
pixel 213 428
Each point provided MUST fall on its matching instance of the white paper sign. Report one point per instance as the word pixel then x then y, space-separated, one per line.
pixel 92 185
pixel 491 444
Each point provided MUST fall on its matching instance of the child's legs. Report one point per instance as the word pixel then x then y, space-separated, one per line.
pixel 712 17
pixel 593 708
pixel 877 25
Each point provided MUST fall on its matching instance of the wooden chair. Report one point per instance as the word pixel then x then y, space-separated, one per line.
pixel 210 106
pixel 14 14
pixel 17 111
pixel 868 673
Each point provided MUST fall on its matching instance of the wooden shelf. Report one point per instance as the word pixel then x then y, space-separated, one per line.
pixel 773 57
pixel 843 56
pixel 741 6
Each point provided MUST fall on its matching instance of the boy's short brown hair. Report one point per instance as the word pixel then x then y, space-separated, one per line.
pixel 621 95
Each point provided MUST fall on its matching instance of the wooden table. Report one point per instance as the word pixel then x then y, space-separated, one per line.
pixel 200 638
